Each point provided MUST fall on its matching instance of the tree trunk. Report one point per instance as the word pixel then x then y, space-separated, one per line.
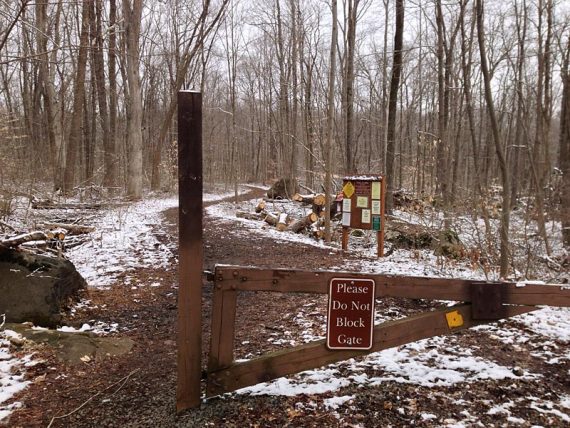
pixel 350 144
pixel 466 61
pixel 393 104
pixel 110 160
pixel 506 210
pixel 330 121
pixel 74 140
pixel 132 16
pixel 565 148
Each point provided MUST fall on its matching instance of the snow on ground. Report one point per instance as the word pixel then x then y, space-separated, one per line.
pixel 125 239
pixel 430 362
pixel 11 374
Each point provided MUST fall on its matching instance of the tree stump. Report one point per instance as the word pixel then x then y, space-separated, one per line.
pixel 284 188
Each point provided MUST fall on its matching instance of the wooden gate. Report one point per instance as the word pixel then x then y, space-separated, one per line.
pixel 481 302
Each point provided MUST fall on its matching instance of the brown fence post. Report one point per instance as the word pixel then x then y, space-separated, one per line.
pixel 382 231
pixel 190 255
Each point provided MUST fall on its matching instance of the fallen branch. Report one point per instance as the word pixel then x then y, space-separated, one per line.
pixel 308 189
pixel 74 229
pixel 20 239
pixel 122 380
pixel 50 205
pixel 8 226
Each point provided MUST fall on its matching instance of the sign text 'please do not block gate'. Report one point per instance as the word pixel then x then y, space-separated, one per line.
pixel 350 319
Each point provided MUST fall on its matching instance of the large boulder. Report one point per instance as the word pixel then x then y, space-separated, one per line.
pixel 36 288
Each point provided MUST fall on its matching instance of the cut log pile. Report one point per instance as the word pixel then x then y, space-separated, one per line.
pixel 49 238
pixel 273 212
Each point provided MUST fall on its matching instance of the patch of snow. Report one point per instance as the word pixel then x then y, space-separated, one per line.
pixel 426 363
pixel 123 241
pixel 68 329
pixel 550 322
pixel 11 375
pixel 309 382
pixel 501 408
pixel 547 407
pixel 335 402
pixel 428 416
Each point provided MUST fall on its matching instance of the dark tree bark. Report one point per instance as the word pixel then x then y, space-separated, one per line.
pixel 132 16
pixel 330 121
pixel 506 208
pixel 565 148
pixel 393 104
pixel 110 161
pixel 74 140
pixel 350 143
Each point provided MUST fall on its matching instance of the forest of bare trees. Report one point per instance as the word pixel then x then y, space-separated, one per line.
pixel 463 103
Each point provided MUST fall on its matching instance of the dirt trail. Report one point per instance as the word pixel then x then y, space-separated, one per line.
pixel 148 316
pixel 138 389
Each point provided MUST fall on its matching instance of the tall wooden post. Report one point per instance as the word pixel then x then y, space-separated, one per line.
pixel 380 233
pixel 190 253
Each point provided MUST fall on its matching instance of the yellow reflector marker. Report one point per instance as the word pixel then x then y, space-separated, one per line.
pixel 348 189
pixel 454 319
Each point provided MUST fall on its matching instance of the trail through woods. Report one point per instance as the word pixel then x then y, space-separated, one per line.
pixel 512 372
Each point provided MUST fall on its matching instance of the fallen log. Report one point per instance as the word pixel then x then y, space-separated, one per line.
pixel 25 237
pixel 260 206
pixel 315 200
pixel 302 223
pixel 304 199
pixel 270 218
pixel 282 222
pixel 319 200
pixel 248 216
pixel 73 229
pixel 50 205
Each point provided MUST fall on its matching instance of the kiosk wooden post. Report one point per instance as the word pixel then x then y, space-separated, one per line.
pixel 190 256
pixel 380 233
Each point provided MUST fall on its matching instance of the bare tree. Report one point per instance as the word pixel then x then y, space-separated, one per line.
pixel 74 139
pixel 330 121
pixel 350 162
pixel 499 150
pixel 393 104
pixel 565 146
pixel 132 14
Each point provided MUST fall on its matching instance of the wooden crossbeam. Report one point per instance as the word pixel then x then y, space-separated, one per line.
pixel 316 354
pixel 299 281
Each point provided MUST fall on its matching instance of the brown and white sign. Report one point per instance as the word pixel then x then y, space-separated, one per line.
pixel 350 319
pixel 362 202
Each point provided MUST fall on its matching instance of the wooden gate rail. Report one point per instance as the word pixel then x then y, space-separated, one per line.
pixel 299 281
pixel 224 375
